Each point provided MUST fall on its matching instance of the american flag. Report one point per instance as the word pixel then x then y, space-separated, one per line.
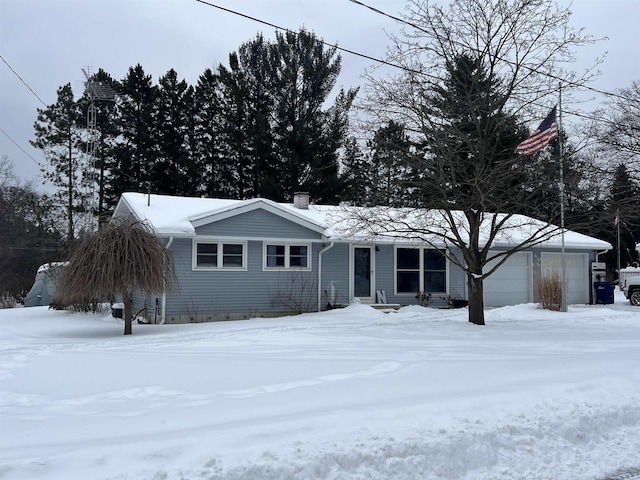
pixel 547 131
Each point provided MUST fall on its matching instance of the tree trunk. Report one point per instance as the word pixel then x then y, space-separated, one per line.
pixel 476 299
pixel 128 314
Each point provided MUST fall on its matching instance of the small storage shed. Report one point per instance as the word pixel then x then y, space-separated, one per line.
pixel 44 285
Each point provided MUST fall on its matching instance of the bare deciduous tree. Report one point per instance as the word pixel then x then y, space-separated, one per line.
pixel 122 258
pixel 618 128
pixel 470 71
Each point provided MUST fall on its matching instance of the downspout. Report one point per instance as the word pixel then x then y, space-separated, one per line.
pixel 320 274
pixel 601 253
pixel 163 308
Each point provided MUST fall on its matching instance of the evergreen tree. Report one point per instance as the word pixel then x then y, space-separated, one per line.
pixel 216 177
pixel 391 155
pixel 255 60
pixel 355 175
pixel 173 170
pixel 307 138
pixel 624 207
pixel 233 128
pixel 469 142
pixel 137 150
pixel 542 185
pixel 58 133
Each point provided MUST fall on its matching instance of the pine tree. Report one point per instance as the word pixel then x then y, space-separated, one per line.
pixel 356 174
pixel 255 60
pixel 58 133
pixel 174 168
pixel 307 138
pixel 624 207
pixel 215 177
pixel 137 148
pixel 469 143
pixel 391 156
pixel 233 128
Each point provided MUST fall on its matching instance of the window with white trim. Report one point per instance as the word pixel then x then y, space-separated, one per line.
pixel 219 255
pixel 420 270
pixel 435 271
pixel 285 255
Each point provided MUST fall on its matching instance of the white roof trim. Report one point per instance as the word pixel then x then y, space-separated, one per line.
pixel 178 217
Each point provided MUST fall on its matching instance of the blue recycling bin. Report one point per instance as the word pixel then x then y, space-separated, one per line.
pixel 604 292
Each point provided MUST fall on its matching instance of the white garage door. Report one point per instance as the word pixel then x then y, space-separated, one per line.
pixel 577 271
pixel 511 283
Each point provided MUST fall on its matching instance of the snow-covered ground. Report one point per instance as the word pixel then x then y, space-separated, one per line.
pixel 346 394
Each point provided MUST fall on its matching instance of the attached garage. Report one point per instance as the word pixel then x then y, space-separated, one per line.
pixel 512 283
pixel 577 272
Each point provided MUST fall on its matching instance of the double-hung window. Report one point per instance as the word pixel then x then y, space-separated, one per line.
pixel 435 271
pixel 217 255
pixel 420 270
pixel 284 255
pixel 408 270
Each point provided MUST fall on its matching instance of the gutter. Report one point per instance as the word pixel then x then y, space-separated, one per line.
pixel 320 274
pixel 601 253
pixel 163 308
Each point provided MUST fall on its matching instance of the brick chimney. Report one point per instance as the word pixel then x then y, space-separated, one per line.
pixel 301 200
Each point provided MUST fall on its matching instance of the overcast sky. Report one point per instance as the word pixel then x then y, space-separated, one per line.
pixel 48 42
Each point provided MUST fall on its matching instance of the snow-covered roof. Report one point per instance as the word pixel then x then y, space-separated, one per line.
pixel 50 266
pixel 179 216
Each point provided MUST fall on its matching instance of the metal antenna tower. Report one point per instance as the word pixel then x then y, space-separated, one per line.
pixel 94 90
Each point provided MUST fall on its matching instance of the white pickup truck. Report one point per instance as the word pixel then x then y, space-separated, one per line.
pixel 631 288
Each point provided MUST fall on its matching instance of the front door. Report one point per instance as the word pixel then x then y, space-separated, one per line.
pixel 362 281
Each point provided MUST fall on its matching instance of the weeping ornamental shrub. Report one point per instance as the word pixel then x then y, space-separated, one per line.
pixel 122 258
pixel 550 290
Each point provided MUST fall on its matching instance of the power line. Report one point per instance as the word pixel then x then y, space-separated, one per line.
pixel 16 144
pixel 401 67
pixel 277 27
pixel 22 80
pixel 555 77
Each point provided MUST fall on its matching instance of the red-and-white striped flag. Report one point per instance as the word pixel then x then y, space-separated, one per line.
pixel 547 131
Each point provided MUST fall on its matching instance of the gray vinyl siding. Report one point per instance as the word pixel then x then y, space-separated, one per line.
pixel 257 223
pixel 335 268
pixel 212 295
pixel 204 295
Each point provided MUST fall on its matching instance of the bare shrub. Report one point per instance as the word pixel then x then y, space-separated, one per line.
pixel 550 290
pixel 296 292
pixel 7 300
pixel 121 258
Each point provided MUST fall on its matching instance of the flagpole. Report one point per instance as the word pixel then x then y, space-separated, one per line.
pixel 618 242
pixel 563 259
